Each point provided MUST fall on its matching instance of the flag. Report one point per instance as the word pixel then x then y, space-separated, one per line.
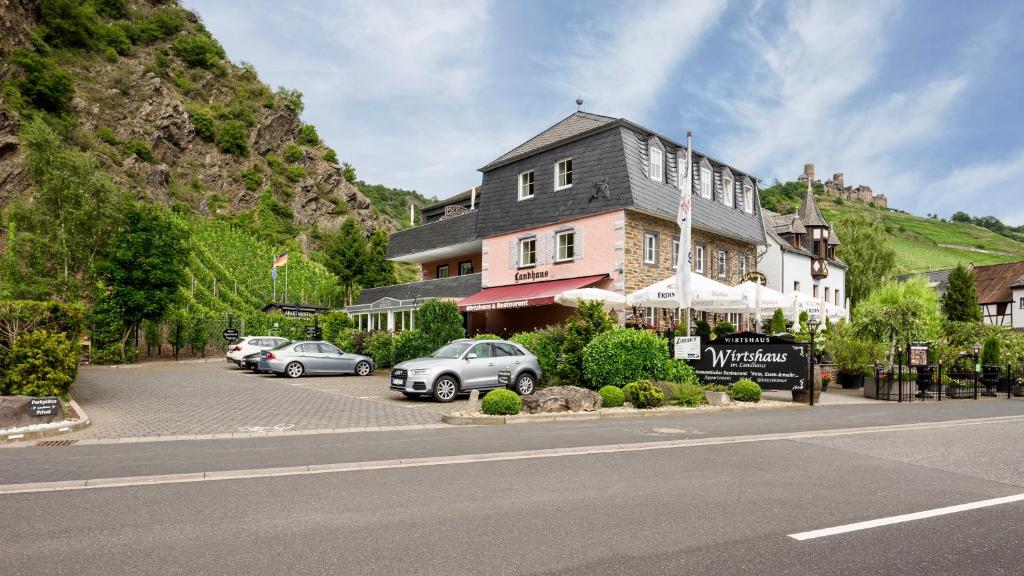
pixel 281 260
pixel 685 221
pixel 273 272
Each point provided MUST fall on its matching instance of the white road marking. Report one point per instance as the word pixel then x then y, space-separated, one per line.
pixel 120 482
pixel 905 518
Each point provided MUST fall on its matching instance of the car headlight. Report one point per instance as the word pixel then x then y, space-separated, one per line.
pixel 419 371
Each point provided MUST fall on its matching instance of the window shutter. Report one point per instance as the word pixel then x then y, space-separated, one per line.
pixel 577 240
pixel 513 254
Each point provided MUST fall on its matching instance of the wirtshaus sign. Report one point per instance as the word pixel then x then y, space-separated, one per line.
pixel 773 363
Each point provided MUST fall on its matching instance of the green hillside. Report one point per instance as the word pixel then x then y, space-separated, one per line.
pixel 921 244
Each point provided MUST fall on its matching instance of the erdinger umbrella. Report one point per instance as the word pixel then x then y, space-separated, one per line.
pixel 708 296
pixel 573 297
pixel 815 307
pixel 768 300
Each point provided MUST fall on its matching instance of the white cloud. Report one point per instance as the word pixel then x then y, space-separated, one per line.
pixel 623 60
pixel 988 182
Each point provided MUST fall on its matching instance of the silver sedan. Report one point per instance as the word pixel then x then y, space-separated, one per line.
pixel 463 365
pixel 313 357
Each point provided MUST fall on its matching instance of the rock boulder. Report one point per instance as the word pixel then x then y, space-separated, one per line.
pixel 561 399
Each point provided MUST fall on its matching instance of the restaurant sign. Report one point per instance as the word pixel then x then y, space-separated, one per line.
pixel 774 363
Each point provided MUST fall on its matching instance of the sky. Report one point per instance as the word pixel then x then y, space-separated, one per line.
pixel 921 100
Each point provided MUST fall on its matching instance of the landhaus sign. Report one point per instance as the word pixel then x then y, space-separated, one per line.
pixel 773 363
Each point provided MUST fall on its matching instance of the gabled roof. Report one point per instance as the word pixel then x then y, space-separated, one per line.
pixel 994 282
pixel 809 212
pixel 573 125
pixel 784 223
pixel 1018 283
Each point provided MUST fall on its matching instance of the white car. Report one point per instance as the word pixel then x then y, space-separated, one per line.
pixel 249 345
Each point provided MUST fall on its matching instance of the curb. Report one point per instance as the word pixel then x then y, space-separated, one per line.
pixel 484 420
pixel 56 429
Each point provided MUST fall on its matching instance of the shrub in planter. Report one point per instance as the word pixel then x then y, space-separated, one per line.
pixel 677 371
pixel 643 394
pixel 687 394
pixel 745 391
pixel 410 344
pixel 381 347
pixel 501 402
pixel 621 356
pixel 42 363
pixel 611 396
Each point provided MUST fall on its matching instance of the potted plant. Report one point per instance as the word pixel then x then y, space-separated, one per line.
pixel 853 356
pixel 990 368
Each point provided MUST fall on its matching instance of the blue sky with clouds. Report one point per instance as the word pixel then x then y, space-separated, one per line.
pixel 920 100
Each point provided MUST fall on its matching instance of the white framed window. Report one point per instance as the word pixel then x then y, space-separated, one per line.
pixel 675 254
pixel 814 290
pixel 527 252
pixel 563 174
pixel 706 182
pixel 566 242
pixel 727 192
pixel 743 265
pixel 748 199
pixel 650 249
pixel 657 163
pixel 698 262
pixel 526 185
pixel 721 263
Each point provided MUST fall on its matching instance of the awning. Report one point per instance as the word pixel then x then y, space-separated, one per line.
pixel 523 295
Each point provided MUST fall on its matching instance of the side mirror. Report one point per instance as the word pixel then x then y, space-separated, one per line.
pixel 471 356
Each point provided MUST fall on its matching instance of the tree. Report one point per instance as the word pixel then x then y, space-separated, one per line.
pixel 145 267
pixel 870 260
pixel 589 320
pixel 345 256
pixel 961 301
pixel 440 322
pixel 961 216
pixel 898 313
pixel 778 324
pixel 377 269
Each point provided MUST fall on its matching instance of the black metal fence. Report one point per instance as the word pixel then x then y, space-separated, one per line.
pixel 935 382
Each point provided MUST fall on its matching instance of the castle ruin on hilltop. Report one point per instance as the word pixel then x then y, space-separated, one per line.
pixel 836 187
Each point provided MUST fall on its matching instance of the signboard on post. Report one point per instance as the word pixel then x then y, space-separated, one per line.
pixel 314 333
pixel 774 363
pixel 919 354
pixel 687 348
pixel 230 334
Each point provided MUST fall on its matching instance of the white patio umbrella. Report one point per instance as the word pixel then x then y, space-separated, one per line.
pixel 708 295
pixel 805 303
pixel 611 300
pixel 765 300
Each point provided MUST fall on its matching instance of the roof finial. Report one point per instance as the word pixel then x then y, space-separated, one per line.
pixel 579 103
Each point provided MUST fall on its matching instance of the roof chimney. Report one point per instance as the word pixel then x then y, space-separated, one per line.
pixel 472 198
pixel 579 103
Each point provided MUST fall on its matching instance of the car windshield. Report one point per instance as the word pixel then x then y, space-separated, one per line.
pixel 452 350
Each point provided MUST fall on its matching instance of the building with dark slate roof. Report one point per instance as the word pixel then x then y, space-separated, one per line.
pixel 800 254
pixel 590 201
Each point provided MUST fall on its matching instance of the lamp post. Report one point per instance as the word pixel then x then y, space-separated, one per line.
pixel 977 367
pixel 812 327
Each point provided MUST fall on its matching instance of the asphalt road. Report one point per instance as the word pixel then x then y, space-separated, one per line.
pixel 720 509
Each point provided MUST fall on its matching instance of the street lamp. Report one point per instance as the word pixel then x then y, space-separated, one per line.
pixel 812 327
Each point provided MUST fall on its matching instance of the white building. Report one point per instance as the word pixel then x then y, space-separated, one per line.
pixel 1017 318
pixel 801 254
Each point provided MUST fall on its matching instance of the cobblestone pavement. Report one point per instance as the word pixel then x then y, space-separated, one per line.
pixel 181 399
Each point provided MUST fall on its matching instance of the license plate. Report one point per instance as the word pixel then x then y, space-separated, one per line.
pixel 397 381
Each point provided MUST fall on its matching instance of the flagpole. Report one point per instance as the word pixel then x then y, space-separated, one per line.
pixel 273 272
pixel 286 282
pixel 685 220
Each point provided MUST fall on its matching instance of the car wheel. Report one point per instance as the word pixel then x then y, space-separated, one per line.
pixel 294 370
pixel 410 394
pixel 363 368
pixel 525 384
pixel 445 389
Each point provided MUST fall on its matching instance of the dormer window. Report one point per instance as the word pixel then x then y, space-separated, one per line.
pixel 727 192
pixel 563 174
pixel 748 199
pixel 706 181
pixel 657 163
pixel 526 185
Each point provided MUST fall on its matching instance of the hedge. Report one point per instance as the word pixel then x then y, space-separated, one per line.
pixel 410 344
pixel 545 345
pixel 620 356
pixel 501 402
pixel 42 363
pixel 381 347
pixel 745 391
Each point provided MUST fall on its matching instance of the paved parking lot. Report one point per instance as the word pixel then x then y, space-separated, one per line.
pixel 189 398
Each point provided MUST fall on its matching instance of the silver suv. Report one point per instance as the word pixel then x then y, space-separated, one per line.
pixel 464 365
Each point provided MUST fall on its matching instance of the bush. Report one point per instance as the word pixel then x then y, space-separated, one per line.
pixel 252 180
pixel 440 322
pixel 42 363
pixel 202 121
pixel 643 394
pixel 483 336
pixel 620 356
pixel 293 153
pixel 702 328
pixel 233 138
pixel 410 344
pixel 69 23
pixel 107 136
pixel 611 396
pixel 589 320
pixel 778 322
pixel 501 402
pixel 724 328
pixel 545 344
pixel 334 325
pixel 990 352
pixel 44 84
pixel 330 156
pixel 687 394
pixel 359 339
pixel 678 371
pixel 295 173
pixel 381 347
pixel 198 51
pixel 140 149
pixel 308 135
pixel 745 391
